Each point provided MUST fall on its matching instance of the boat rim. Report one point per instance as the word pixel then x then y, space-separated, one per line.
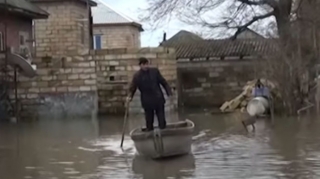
pixel 186 120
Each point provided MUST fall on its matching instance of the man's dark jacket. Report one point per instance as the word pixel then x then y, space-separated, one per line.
pixel 148 82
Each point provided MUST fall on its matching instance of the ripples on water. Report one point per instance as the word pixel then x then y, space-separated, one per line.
pixel 86 149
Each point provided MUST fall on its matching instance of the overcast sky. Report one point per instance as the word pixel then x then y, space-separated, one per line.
pixel 148 38
pixel 153 38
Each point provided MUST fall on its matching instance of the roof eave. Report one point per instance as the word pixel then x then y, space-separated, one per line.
pixel 41 16
pixel 91 3
pixel 228 56
pixel 32 14
pixel 139 26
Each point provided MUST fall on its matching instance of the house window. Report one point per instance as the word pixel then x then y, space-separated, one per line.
pixel 97 42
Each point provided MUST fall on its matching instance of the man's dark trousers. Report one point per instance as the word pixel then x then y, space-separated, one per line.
pixel 150 111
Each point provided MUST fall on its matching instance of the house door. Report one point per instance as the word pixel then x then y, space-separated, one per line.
pixel 24 46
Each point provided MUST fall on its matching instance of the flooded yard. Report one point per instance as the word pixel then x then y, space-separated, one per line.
pixel 89 149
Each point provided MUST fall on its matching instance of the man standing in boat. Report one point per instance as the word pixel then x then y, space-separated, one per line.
pixel 148 81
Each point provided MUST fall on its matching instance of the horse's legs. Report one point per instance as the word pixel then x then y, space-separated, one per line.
pixel 253 127
pixel 244 125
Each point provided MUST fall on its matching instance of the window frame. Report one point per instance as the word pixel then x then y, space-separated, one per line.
pixel 95 41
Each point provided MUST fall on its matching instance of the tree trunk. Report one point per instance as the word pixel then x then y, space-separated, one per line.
pixel 288 76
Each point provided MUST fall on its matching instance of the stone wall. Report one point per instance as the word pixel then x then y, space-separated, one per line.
pixel 115 69
pixel 83 84
pixel 118 36
pixel 211 83
pixel 66 30
pixel 68 87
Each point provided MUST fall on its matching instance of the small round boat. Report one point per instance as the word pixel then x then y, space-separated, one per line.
pixel 175 139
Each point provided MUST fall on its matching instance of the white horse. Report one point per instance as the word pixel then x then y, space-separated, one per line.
pixel 258 106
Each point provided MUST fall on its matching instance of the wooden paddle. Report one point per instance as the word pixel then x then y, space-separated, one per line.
pixel 124 123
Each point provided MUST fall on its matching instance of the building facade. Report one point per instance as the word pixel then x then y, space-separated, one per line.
pixel 113 29
pixel 74 80
pixel 16 30
pixel 66 31
pixel 16 48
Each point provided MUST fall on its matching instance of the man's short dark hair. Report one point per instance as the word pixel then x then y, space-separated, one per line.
pixel 143 61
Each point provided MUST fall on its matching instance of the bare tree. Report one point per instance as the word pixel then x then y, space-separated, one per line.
pixel 296 22
pixel 234 14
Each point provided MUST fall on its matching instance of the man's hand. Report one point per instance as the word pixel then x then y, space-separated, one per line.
pixel 129 99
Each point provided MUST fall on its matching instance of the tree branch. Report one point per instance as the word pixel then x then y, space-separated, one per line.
pixel 297 6
pixel 253 20
pixel 271 3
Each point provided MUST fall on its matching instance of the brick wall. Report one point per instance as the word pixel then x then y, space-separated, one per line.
pixel 211 83
pixel 65 31
pixel 118 36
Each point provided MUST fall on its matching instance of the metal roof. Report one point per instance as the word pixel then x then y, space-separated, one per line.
pixel 104 14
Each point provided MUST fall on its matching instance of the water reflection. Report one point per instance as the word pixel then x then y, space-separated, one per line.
pixel 176 167
pixel 46 149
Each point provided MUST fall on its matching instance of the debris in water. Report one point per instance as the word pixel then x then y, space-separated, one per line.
pixel 241 101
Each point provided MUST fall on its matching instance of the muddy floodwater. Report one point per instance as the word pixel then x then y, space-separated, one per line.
pixel 89 149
